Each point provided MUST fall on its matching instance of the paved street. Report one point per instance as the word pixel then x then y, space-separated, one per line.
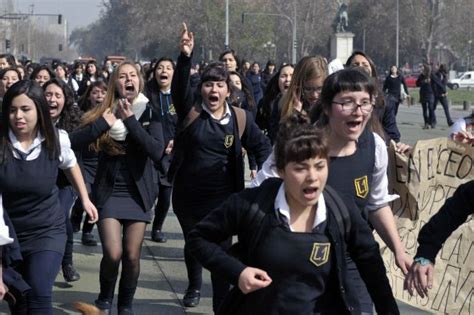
pixel 163 276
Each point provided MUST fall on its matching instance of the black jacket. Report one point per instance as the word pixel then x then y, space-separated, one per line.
pixel 253 140
pixel 451 215
pixel 230 219
pixel 145 145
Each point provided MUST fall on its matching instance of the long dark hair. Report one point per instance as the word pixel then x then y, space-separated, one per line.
pixel 32 90
pixel 245 90
pixel 84 102
pixel 35 72
pixel 70 116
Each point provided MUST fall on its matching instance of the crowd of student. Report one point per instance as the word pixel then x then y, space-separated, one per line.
pixel 122 142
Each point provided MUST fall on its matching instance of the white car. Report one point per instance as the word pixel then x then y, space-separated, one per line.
pixel 466 80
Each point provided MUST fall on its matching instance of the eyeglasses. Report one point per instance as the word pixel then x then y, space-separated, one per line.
pixel 309 89
pixel 350 106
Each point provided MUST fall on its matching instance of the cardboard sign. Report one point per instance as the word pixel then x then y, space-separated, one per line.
pixel 424 180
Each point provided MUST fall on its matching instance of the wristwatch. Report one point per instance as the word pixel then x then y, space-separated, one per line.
pixel 422 261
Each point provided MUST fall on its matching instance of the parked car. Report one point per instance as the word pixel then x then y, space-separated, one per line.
pixel 466 80
pixel 411 81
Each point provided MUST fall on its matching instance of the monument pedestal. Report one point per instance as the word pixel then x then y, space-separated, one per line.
pixel 341 46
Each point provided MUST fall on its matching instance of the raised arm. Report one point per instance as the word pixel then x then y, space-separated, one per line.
pixel 180 85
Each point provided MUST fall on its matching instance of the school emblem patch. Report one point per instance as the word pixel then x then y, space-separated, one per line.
pixel 320 253
pixel 361 186
pixel 228 141
pixel 172 110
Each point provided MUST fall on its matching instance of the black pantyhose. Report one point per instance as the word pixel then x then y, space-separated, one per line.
pixel 121 242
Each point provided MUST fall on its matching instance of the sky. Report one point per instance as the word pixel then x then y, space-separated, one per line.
pixel 78 13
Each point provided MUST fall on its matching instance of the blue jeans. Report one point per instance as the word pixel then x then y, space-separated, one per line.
pixel 39 270
pixel 429 116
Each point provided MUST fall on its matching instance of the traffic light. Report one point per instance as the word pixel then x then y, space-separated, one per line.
pixel 7 44
pixel 60 18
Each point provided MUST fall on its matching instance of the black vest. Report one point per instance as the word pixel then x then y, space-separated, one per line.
pixel 30 197
pixel 352 175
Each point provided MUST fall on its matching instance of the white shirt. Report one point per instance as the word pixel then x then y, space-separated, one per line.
pixel 378 195
pixel 67 159
pixel 4 232
pixel 224 120
pixel 281 206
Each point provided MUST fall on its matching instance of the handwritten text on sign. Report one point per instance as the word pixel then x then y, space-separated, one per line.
pixel 424 180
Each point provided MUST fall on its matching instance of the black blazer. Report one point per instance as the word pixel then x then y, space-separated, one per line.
pixel 145 146
pixel 232 218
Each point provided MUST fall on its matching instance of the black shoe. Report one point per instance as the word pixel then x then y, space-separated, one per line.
pixel 70 274
pixel 104 306
pixel 126 311
pixel 426 126
pixel 88 239
pixel 433 126
pixel 76 226
pixel 158 236
pixel 450 123
pixel 192 298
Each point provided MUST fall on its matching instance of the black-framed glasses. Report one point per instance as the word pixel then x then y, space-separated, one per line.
pixel 350 106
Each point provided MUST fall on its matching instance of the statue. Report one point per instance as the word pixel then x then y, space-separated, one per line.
pixel 341 21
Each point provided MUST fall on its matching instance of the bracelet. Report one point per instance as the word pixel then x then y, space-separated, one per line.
pixel 422 261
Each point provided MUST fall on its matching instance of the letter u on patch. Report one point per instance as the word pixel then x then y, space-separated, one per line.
pixel 320 253
pixel 228 141
pixel 361 186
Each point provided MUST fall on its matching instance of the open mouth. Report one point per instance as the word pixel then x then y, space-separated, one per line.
pixel 163 77
pixel 354 124
pixel 213 98
pixel 130 88
pixel 310 192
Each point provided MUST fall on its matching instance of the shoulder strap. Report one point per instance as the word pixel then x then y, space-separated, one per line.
pixel 241 120
pixel 259 209
pixel 192 115
pixel 339 209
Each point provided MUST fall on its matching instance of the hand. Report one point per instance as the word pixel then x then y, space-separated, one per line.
pixel 401 147
pixel 186 44
pixel 169 147
pixel 253 174
pixel 91 210
pixel 403 261
pixel 419 277
pixel 124 108
pixel 298 104
pixel 463 137
pixel 109 117
pixel 252 279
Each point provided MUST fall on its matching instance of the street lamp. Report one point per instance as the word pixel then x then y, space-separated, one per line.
pixel 397 33
pixel 292 22
pixel 469 55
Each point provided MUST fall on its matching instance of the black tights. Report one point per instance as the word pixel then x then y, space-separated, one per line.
pixel 115 249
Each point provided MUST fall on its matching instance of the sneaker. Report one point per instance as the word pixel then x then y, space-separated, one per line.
pixel 70 274
pixel 426 126
pixel 191 298
pixel 88 239
pixel 158 236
